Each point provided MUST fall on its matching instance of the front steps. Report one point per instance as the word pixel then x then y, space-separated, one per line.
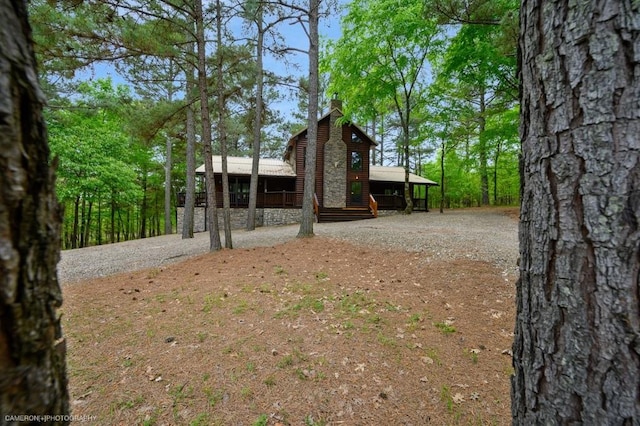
pixel 344 215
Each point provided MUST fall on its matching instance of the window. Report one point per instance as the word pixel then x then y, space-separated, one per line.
pixel 355 138
pixel 356 161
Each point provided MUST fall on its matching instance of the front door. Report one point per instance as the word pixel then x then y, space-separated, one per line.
pixel 356 192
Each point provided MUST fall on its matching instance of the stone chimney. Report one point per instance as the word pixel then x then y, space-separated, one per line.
pixel 335 160
pixel 335 103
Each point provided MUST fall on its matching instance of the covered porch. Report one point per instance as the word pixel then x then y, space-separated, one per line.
pixel 387 187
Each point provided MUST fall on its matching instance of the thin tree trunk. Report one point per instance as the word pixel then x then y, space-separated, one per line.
pixel 190 196
pixel 32 348
pixel 143 207
pixel 482 141
pixel 99 233
pixel 576 352
pixel 442 154
pixel 76 219
pixel 168 229
pixel 87 227
pixel 222 129
pixel 306 222
pixel 113 218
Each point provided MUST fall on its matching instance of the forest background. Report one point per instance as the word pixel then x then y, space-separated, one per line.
pixel 432 81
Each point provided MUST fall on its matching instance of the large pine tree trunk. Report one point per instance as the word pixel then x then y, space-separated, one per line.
pixel 32 349
pixel 257 126
pixel 306 221
pixel 577 337
pixel 212 207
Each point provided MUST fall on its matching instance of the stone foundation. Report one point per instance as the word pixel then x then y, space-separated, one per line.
pixel 264 217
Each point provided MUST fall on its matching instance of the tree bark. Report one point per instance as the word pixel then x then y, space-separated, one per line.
pixel 189 199
pixel 482 149
pixel 168 229
pixel 306 222
pixel 212 208
pixel 576 353
pixel 257 126
pixel 32 348
pixel 222 129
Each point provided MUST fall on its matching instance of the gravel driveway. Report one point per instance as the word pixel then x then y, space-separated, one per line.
pixel 478 234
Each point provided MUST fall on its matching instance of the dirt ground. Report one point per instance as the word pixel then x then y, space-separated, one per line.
pixel 310 332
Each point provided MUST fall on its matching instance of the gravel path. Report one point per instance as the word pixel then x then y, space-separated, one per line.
pixel 478 234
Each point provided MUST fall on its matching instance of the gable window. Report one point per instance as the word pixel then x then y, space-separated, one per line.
pixel 356 161
pixel 355 138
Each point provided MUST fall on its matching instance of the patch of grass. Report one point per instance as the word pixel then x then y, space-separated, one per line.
pixel 262 420
pixel 390 307
pixel 201 419
pixel 472 354
pixel 306 303
pixel 213 397
pixel 246 393
pixel 445 396
pixel 348 325
pixel 301 287
pixel 279 270
pixel 445 328
pixel 413 322
pixel 270 381
pixel 310 421
pixel 202 336
pixel 375 319
pixel 241 307
pixel 285 361
pixel 251 367
pixel 127 404
pixel 433 354
pixel 354 303
pixel 212 300
pixel 153 273
pixel 265 288
pixel 321 276
pixel 386 340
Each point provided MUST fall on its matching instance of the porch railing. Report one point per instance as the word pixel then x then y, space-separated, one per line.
pixel 274 199
pixel 373 206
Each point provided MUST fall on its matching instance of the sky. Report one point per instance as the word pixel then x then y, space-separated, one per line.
pixel 296 64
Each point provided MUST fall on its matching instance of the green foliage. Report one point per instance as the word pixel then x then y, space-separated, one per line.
pixel 103 173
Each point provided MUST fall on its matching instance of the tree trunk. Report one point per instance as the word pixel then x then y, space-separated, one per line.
pixel 212 208
pixel 190 196
pixel 222 129
pixel 76 222
pixel 112 231
pixel 306 222
pixel 442 154
pixel 257 126
pixel 143 207
pixel 576 353
pixel 168 229
pixel 32 349
pixel 482 142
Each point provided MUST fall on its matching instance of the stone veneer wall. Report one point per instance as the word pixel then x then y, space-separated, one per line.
pixel 335 163
pixel 264 217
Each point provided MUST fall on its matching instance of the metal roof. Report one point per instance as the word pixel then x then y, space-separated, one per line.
pixel 276 167
pixel 242 166
pixel 395 174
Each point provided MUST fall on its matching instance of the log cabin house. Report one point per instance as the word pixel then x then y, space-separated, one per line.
pixel 348 187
